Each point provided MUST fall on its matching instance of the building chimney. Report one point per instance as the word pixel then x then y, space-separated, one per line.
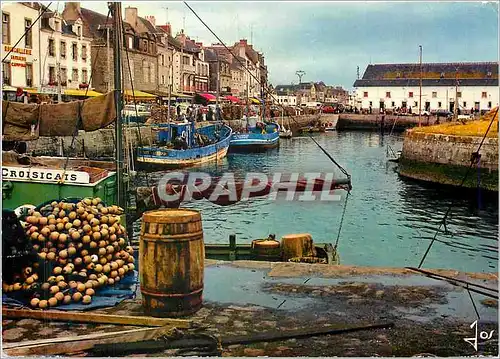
pixel 199 44
pixel 167 28
pixel 131 16
pixel 151 19
pixel 71 11
pixel 243 42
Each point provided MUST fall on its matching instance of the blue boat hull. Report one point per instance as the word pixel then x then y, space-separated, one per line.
pixel 254 142
pixel 171 158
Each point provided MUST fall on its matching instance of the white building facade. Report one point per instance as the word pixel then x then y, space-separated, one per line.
pixel 66 59
pixel 21 68
pixel 474 86
pixel 286 100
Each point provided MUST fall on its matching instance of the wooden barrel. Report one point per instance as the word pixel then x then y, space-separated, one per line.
pixel 297 245
pixel 171 262
pixel 267 249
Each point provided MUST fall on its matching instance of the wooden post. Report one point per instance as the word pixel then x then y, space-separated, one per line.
pixel 232 247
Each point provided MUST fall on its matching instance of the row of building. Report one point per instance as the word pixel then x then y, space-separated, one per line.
pixel 465 87
pixel 294 95
pixel 74 50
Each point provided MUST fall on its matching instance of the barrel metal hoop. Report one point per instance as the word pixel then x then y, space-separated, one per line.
pixel 179 295
pixel 172 220
pixel 184 237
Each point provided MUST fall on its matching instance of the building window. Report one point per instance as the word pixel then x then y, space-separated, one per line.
pixel 465 104
pixel 84 53
pixel 388 94
pixel 365 94
pixel 28 38
pixel 439 104
pixel 58 26
pixel 74 51
pixel 459 94
pixel 152 76
pixel 84 76
pixel 410 94
pixel 62 45
pixel 393 103
pixel 5 28
pixel 52 47
pixel 52 75
pixel 79 31
pixel 74 75
pixel 415 103
pixel 162 60
pixel 130 42
pixel 489 104
pixel 434 94
pixel 163 79
pixel 64 76
pixel 29 75
pixel 371 104
pixel 6 73
pixel 484 94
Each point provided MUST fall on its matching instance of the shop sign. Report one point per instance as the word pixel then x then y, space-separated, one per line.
pixel 43 175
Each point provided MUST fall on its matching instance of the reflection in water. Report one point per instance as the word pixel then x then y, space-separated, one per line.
pixel 389 221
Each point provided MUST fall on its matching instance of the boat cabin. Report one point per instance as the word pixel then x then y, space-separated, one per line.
pixel 179 134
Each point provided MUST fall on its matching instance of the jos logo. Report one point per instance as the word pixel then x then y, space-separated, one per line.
pixel 482 335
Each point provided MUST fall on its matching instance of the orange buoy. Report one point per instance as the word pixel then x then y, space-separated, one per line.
pixel 297 245
pixel 171 264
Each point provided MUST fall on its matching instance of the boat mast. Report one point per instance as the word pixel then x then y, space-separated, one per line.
pixel 116 11
pixel 420 100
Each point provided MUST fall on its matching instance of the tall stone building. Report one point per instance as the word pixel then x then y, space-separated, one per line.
pixel 139 53
pixel 165 57
pixel 220 69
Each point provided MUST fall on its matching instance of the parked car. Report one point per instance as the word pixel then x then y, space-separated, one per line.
pixel 423 113
pixel 327 109
pixel 443 113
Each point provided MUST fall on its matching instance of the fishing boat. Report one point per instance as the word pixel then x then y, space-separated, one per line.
pixel 182 145
pixel 259 136
pixel 29 179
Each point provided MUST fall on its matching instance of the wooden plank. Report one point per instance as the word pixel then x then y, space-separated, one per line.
pixel 299 333
pixel 79 317
pixel 74 344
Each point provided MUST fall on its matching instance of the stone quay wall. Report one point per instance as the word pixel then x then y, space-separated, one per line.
pixel 444 159
pixel 348 121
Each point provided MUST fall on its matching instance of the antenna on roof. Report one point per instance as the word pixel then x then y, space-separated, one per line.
pixel 166 11
pixel 357 71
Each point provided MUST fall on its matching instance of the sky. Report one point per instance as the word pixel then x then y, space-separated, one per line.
pixel 329 40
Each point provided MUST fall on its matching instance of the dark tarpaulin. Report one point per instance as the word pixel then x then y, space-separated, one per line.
pixel 59 119
pixel 17 121
pixel 56 119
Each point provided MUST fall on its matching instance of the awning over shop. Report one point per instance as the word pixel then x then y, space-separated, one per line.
pixel 208 97
pixel 139 95
pixel 82 93
pixel 233 99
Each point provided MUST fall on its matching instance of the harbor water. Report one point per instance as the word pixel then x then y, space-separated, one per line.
pixel 389 221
